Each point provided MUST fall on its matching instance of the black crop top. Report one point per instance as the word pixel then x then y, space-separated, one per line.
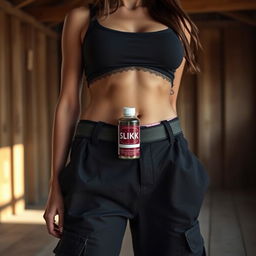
pixel 106 51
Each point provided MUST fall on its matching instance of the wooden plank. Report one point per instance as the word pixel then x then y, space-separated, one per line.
pixel 227 24
pixel 48 248
pixel 53 83
pixel 27 242
pixel 32 119
pixel 43 148
pixel 209 95
pixel 198 6
pixel 53 77
pixel 57 13
pixel 54 13
pixel 10 9
pixel 245 204
pixel 240 17
pixel 12 234
pixel 5 118
pixel 225 233
pixel 17 87
pixel 6 228
pixel 24 3
pixel 239 108
pixel 16 234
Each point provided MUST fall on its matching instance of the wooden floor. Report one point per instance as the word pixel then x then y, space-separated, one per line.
pixel 227 221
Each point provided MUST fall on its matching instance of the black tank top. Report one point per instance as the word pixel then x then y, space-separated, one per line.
pixel 107 51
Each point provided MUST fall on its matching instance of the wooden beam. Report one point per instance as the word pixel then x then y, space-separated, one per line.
pixel 17 115
pixel 53 24
pixel 42 111
pixel 24 3
pixel 50 14
pixel 240 17
pixel 199 6
pixel 232 24
pixel 10 9
pixel 57 13
pixel 32 118
pixel 5 119
pixel 54 13
pixel 209 112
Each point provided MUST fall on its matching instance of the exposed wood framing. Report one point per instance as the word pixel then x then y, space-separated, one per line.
pixel 240 17
pixel 220 24
pixel 24 3
pixel 10 9
pixel 53 24
pixel 54 13
pixel 43 12
pixel 199 6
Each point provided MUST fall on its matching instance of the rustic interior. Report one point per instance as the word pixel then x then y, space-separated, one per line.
pixel 216 106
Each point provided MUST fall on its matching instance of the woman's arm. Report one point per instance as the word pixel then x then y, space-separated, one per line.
pixel 67 109
pixel 68 106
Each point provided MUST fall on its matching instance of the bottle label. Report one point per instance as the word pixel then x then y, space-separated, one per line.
pixel 129 140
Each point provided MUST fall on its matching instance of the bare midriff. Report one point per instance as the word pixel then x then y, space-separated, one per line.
pixel 148 93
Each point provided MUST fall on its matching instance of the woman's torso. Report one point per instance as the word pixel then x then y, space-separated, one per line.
pixel 147 92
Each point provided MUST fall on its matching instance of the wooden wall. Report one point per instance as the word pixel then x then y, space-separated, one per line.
pixel 217 105
pixel 29 86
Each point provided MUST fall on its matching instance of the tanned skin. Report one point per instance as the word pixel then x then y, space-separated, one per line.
pixel 148 93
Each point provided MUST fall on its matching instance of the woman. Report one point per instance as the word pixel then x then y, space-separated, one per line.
pixel 133 57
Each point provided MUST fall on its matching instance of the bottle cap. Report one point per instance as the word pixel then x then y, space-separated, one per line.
pixel 129 111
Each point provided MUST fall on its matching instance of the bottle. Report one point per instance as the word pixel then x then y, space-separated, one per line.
pixel 129 134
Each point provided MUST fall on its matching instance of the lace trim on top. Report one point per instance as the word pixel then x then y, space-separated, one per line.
pixel 118 70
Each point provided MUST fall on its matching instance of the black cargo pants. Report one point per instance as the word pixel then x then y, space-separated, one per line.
pixel 161 194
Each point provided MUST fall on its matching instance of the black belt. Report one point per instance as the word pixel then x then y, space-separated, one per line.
pixel 110 132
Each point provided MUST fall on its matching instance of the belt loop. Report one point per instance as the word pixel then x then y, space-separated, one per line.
pixel 95 132
pixel 169 131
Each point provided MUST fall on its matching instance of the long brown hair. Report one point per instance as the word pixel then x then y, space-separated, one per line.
pixel 168 12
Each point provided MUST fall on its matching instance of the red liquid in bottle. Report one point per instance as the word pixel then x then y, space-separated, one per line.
pixel 128 135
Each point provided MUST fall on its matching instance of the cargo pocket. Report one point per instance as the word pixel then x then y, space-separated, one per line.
pixel 195 241
pixel 71 244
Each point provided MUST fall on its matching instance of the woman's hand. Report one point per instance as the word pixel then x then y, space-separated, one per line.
pixel 54 207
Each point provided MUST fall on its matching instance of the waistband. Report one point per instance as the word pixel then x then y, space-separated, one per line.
pixel 109 132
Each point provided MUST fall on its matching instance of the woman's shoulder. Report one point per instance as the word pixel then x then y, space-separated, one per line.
pixel 76 20
pixel 78 15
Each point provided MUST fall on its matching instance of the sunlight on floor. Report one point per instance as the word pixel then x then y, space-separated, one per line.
pixel 30 216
